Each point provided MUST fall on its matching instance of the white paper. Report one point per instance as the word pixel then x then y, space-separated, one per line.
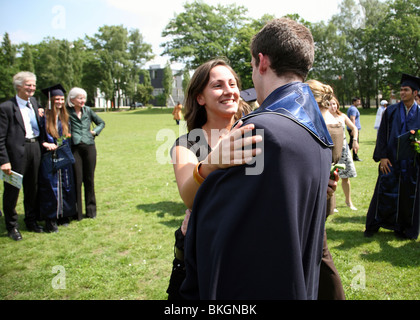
pixel 15 179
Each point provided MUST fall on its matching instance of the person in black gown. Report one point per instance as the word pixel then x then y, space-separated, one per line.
pixel 256 230
pixel 395 201
pixel 57 196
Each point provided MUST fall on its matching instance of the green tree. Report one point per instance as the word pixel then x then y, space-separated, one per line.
pixel 58 61
pixel 120 54
pixel 348 55
pixel 139 53
pixel 106 83
pixel 144 89
pixel 328 64
pixel 26 62
pixel 8 68
pixel 186 79
pixel 78 53
pixel 45 59
pixel 350 26
pixel 111 44
pixel 168 80
pixel 203 32
pixel 92 76
pixel 399 38
pixel 374 13
pixel 240 56
pixel 143 93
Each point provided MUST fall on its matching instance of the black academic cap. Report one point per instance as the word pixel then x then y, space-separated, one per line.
pixel 56 90
pixel 249 95
pixel 410 81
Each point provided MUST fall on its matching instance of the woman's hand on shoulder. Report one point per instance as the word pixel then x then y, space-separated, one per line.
pixel 233 148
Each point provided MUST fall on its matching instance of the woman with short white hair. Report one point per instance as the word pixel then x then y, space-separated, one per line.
pixel 83 148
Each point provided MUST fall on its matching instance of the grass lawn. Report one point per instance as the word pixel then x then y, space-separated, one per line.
pixel 126 252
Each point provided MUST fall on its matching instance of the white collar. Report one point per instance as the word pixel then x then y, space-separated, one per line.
pixel 407 109
pixel 21 102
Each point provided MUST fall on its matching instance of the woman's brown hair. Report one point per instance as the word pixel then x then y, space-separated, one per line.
pixel 338 105
pixel 194 114
pixel 51 120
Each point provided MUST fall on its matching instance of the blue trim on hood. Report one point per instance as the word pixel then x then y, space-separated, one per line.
pixel 296 101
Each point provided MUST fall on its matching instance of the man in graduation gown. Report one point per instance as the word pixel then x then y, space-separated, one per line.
pixel 256 232
pixel 395 202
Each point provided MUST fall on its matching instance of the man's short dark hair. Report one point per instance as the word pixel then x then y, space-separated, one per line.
pixel 355 99
pixel 288 44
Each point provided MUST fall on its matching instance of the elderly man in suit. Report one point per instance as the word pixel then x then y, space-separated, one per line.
pixel 20 151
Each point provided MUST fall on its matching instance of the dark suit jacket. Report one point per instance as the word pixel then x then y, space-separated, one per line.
pixel 12 133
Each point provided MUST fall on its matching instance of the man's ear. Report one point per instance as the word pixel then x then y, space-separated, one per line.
pixel 264 63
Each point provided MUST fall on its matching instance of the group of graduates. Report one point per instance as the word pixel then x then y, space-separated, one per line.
pixel 52 149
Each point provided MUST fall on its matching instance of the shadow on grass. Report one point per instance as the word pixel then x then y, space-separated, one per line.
pixel 21 224
pixel 344 219
pixel 163 208
pixel 147 111
pixel 405 255
pixel 370 142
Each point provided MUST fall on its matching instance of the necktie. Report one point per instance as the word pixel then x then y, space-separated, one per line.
pixel 32 117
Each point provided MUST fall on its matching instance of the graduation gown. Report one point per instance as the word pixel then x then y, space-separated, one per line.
pixel 395 202
pixel 259 235
pixel 57 195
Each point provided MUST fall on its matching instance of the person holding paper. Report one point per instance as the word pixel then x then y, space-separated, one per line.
pixel 395 202
pixel 20 151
